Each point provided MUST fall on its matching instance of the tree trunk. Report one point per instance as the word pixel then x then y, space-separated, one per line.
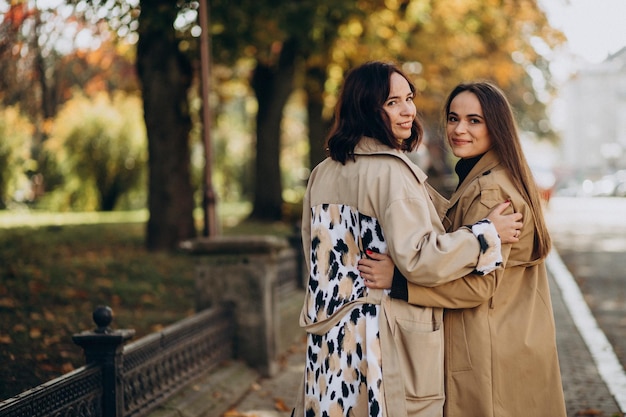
pixel 165 75
pixel 318 126
pixel 272 86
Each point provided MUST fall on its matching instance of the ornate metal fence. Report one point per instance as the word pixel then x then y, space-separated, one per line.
pixel 158 365
pixel 130 380
pixel 78 393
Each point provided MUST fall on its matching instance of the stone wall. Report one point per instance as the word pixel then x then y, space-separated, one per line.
pixel 262 277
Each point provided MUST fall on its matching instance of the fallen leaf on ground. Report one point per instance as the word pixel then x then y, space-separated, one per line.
pixel 280 405
pixel 19 328
pixel 589 413
pixel 7 303
pixel 233 412
pixel 67 367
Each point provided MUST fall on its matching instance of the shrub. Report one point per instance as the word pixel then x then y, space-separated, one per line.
pixel 15 139
pixel 99 148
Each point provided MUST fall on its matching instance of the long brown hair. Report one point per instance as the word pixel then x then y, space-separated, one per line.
pixel 359 112
pixel 506 143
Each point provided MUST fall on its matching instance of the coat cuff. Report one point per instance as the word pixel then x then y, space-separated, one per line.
pixel 490 257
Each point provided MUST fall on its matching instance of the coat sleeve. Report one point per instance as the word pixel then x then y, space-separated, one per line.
pixel 472 290
pixel 421 249
pixel 467 292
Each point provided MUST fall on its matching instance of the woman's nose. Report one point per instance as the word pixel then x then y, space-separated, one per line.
pixel 461 126
pixel 408 108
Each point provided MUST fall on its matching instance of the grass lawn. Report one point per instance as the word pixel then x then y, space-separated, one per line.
pixel 56 269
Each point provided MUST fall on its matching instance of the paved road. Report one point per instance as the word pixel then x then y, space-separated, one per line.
pixel 590 241
pixel 590 236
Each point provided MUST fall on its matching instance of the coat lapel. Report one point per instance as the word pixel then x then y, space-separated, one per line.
pixel 489 161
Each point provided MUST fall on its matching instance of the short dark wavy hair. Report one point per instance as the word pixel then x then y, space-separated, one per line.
pixel 359 112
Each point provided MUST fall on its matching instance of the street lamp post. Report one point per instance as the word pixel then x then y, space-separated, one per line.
pixel 209 197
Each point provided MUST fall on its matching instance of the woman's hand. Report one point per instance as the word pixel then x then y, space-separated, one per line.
pixel 508 225
pixel 376 270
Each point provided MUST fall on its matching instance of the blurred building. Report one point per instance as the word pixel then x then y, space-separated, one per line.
pixel 593 139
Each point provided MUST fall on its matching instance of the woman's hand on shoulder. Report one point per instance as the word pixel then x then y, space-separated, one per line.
pixel 508 225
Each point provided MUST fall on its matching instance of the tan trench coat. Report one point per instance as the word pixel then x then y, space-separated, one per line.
pixel 500 358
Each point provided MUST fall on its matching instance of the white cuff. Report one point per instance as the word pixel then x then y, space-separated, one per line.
pixel 490 256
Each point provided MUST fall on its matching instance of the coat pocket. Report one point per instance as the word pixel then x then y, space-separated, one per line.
pixel 420 351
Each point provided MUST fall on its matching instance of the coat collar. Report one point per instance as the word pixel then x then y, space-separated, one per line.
pixel 370 146
pixel 489 161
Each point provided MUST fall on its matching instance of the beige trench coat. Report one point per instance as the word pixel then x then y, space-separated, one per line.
pixel 500 358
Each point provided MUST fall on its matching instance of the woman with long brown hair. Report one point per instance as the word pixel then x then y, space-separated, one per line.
pixel 500 356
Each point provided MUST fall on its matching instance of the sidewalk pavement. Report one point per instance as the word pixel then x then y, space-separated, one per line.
pixel 586 393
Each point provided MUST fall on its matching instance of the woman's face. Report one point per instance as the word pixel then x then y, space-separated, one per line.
pixel 399 107
pixel 466 128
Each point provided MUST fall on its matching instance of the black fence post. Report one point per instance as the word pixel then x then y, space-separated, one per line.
pixel 104 346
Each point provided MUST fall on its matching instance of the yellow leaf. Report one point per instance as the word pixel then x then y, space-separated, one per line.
pixel 147 298
pixel 35 333
pixel 233 413
pixel 19 328
pixel 48 315
pixel 104 282
pixel 7 302
pixel 50 340
pixel 157 327
pixel 67 367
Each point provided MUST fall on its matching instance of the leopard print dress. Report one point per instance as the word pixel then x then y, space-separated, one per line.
pixel 343 375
